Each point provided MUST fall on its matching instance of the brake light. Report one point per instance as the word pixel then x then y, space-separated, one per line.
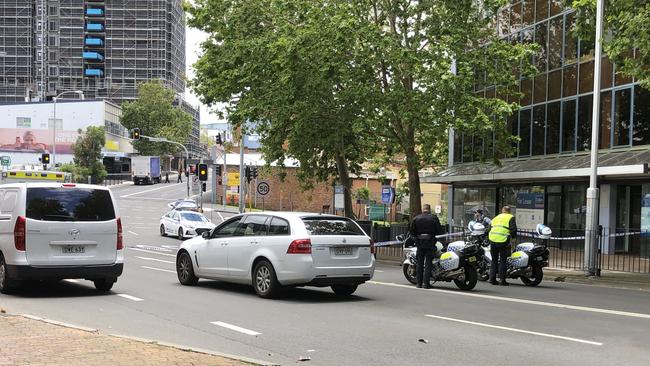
pixel 120 244
pixel 69 185
pixel 19 233
pixel 300 246
pixel 372 246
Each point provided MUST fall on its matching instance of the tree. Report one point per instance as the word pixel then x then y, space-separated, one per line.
pixel 88 155
pixel 155 115
pixel 336 83
pixel 626 26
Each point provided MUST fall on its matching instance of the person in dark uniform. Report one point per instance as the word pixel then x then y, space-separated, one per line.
pixel 167 176
pixel 180 176
pixel 424 228
pixel 502 231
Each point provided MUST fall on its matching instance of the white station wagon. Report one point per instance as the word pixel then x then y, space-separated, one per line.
pixel 274 249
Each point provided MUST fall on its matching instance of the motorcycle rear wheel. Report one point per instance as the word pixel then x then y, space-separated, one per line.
pixel 469 280
pixel 409 273
pixel 538 275
pixel 483 271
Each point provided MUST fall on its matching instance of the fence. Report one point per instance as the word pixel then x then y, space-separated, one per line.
pixel 112 179
pixel 622 250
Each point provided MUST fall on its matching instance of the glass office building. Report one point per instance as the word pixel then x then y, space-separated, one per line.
pixel 546 178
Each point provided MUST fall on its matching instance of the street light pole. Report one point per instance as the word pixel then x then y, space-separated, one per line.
pixel 81 96
pixel 591 227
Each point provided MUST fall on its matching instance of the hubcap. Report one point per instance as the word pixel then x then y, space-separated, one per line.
pixel 263 279
pixel 184 268
pixel 2 275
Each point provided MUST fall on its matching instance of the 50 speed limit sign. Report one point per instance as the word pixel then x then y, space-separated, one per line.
pixel 263 188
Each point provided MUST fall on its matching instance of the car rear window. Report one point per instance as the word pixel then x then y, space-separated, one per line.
pixel 69 204
pixel 331 226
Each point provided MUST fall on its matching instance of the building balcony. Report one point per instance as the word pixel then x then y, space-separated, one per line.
pixel 94 42
pixel 93 56
pixel 94 12
pixel 94 72
pixel 94 27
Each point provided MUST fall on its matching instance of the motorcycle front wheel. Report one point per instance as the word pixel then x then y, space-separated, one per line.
pixel 409 273
pixel 469 279
pixel 538 275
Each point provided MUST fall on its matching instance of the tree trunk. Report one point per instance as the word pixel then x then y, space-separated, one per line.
pixel 413 167
pixel 344 178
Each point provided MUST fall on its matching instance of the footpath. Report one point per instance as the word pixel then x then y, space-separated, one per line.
pixel 31 341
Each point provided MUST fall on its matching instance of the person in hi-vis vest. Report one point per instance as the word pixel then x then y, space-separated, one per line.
pixel 502 231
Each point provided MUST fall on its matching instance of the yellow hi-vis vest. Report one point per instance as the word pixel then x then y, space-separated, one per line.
pixel 500 230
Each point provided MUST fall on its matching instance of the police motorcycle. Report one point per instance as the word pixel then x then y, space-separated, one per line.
pixel 452 264
pixel 527 260
pixel 478 236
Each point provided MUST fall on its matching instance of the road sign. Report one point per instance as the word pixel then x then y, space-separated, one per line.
pixel 387 195
pixel 339 197
pixel 5 160
pixel 263 188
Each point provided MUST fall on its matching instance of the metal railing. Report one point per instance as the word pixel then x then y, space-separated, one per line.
pixel 116 178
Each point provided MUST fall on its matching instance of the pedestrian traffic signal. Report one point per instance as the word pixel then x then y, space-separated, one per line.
pixel 218 139
pixel 136 133
pixel 248 174
pixel 45 158
pixel 203 172
pixel 217 170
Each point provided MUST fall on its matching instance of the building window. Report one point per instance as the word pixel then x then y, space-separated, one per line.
pixel 622 117
pixel 529 12
pixel 458 147
pixel 540 89
pixel 605 119
pixel 23 122
pixel 569 126
pixel 569 82
pixel 539 129
pixel 524 132
pixel 541 11
pixel 641 117
pixel 555 35
pixel 513 125
pixel 574 207
pixel 540 38
pixel 555 85
pixel 586 77
pixel 467 200
pixel 553 128
pixel 570 42
pixel 585 108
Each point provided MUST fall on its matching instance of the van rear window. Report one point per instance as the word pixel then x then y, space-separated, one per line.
pixel 331 226
pixel 69 204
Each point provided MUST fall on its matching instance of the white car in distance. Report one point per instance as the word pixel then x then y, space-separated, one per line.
pixel 184 224
pixel 270 250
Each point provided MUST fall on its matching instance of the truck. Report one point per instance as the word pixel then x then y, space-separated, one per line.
pixel 145 169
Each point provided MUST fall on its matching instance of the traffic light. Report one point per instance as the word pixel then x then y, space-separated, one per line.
pixel 218 139
pixel 136 133
pixel 45 158
pixel 203 187
pixel 254 172
pixel 217 170
pixel 248 174
pixel 203 172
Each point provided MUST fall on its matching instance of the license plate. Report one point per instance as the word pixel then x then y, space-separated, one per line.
pixel 472 259
pixel 343 251
pixel 73 249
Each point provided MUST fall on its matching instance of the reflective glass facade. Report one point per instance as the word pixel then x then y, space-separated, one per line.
pixel 556 106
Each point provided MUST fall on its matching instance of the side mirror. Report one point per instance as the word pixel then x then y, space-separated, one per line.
pixel 205 235
pixel 400 237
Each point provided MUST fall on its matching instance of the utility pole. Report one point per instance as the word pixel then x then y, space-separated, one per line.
pixel 591 227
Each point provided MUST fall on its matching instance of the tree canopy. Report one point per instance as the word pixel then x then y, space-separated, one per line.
pixel 88 155
pixel 154 113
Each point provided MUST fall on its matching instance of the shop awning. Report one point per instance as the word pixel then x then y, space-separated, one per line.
pixel 623 163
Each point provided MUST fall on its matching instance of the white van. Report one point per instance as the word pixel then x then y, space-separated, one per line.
pixel 52 231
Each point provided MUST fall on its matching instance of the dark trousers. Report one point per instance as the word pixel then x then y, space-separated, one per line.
pixel 180 179
pixel 423 259
pixel 500 252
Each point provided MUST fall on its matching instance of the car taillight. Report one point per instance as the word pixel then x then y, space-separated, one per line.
pixel 19 233
pixel 372 246
pixel 69 185
pixel 300 246
pixel 120 244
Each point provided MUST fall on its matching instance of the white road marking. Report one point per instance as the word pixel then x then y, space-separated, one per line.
pixel 523 301
pixel 142 227
pixel 152 252
pixel 130 297
pixel 158 269
pixel 140 217
pixel 221 216
pixel 71 280
pixel 236 328
pixel 131 232
pixel 145 191
pixel 154 259
pixel 170 246
pixel 378 270
pixel 517 330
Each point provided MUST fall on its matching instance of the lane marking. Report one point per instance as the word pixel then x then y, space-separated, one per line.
pixel 142 227
pixel 154 259
pixel 152 252
pixel 130 297
pixel 71 280
pixel 236 328
pixel 145 191
pixel 516 330
pixel 131 232
pixel 221 216
pixel 153 247
pixel 170 246
pixel 154 199
pixel 380 271
pixel 522 301
pixel 158 269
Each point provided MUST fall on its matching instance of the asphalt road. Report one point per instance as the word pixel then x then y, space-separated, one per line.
pixel 556 323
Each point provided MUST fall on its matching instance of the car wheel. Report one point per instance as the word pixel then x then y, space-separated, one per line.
pixel 344 290
pixel 180 233
pixel 185 270
pixel 265 281
pixel 6 283
pixel 162 230
pixel 104 285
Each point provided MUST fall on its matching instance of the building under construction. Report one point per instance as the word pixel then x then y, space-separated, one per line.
pixel 103 47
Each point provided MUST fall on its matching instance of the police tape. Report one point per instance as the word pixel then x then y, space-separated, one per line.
pixel 400 242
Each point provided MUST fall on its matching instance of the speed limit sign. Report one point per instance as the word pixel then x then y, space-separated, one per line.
pixel 263 188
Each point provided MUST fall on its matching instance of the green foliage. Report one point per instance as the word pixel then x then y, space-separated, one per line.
pixel 362 193
pixel 626 26
pixel 153 112
pixel 88 156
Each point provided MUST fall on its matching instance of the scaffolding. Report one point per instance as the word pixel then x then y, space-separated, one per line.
pixel 16 51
